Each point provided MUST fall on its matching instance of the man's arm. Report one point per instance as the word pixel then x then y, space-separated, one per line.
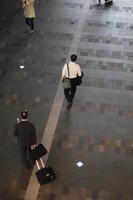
pixel 64 71
pixel 33 136
pixel 79 71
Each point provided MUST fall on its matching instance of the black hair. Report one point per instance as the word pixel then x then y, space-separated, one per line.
pixel 24 114
pixel 73 57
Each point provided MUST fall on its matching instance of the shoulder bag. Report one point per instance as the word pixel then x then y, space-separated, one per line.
pixel 66 83
pixel 79 79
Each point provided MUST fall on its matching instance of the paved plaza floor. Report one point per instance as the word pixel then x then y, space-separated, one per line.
pixel 98 129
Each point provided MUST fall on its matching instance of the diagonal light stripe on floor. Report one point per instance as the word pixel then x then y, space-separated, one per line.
pixel 33 186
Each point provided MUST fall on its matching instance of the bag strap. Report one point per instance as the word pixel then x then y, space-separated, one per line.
pixel 68 70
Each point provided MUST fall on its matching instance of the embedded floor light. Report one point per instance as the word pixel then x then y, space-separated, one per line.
pixel 21 66
pixel 79 164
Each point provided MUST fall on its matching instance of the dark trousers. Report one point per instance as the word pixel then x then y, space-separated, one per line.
pixel 69 93
pixel 30 23
pixel 25 157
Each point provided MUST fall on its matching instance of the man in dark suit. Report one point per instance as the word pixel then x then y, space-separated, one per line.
pixel 26 137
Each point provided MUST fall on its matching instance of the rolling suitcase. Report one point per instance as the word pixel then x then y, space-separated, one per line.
pixel 44 174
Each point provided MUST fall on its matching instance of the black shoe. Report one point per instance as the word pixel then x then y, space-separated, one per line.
pixel 99 3
pixel 69 105
pixel 26 31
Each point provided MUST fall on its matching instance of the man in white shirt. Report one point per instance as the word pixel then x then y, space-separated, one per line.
pixel 74 71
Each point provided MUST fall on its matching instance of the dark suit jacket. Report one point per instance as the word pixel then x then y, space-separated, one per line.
pixel 26 134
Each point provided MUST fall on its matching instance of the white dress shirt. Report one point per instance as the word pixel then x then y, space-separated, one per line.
pixel 74 70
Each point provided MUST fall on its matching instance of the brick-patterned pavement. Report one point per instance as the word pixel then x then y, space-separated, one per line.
pixel 98 129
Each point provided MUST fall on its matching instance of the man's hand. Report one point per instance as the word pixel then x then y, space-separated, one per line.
pixel 33 146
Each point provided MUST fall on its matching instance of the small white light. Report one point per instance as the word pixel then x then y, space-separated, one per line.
pixel 21 66
pixel 79 164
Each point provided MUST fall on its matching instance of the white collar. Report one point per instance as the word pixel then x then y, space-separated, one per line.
pixel 24 120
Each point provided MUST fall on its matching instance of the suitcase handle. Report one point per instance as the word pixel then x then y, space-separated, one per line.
pixel 42 163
